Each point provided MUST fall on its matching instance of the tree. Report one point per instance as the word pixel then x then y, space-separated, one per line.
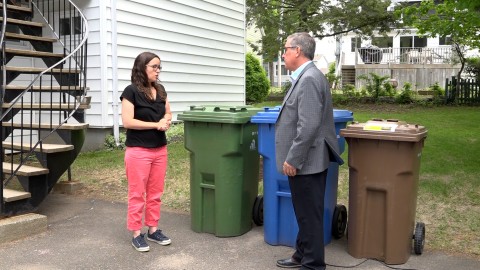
pixel 323 18
pixel 457 19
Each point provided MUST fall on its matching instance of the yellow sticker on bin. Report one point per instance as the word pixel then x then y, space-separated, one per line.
pixel 380 127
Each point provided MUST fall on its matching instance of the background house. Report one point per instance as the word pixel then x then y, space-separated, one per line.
pixel 402 55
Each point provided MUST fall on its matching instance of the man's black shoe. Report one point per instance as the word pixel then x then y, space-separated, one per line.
pixel 288 263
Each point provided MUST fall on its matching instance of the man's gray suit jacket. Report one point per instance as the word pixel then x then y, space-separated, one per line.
pixel 305 129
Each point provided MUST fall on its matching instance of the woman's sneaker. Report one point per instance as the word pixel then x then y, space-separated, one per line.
pixel 159 238
pixel 140 244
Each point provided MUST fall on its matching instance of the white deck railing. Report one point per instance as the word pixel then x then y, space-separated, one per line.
pixel 410 55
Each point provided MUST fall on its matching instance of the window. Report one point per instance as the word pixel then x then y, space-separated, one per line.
pixel 413 41
pixel 445 40
pixel 265 66
pixel 419 41
pixel 406 42
pixel 284 70
pixel 383 42
pixel 355 43
pixel 70 25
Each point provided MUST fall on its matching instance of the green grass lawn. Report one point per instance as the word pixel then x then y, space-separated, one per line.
pixel 449 188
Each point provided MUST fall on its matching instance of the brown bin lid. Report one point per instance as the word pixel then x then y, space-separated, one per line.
pixel 391 130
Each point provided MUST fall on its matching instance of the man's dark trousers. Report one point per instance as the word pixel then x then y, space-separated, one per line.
pixel 308 194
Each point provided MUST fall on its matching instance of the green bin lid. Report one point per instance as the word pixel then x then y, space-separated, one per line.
pixel 219 114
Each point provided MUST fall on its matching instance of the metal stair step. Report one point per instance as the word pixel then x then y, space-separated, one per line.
pixel 33 70
pixel 44 148
pixel 46 106
pixel 63 93
pixel 31 53
pixel 10 195
pixel 66 126
pixel 22 22
pixel 17 8
pixel 24 170
pixel 28 37
pixel 46 88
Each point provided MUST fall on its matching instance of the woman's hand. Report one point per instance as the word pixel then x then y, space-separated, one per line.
pixel 164 124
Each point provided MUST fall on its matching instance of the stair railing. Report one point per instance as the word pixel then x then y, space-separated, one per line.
pixel 3 85
pixel 68 74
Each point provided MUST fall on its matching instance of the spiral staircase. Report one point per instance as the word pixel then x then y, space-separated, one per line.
pixel 43 98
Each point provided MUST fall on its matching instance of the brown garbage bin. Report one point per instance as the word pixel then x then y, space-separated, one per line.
pixel 384 162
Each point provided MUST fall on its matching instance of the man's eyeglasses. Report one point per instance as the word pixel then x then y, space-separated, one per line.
pixel 155 67
pixel 288 47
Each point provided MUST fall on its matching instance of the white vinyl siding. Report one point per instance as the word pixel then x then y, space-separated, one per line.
pixel 201 44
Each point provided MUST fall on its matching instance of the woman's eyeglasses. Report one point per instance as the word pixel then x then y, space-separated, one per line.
pixel 155 67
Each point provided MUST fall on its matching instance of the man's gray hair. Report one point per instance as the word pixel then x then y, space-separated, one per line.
pixel 305 42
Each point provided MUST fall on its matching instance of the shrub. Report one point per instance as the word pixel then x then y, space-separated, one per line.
pixel 349 90
pixel 331 77
pixel 340 99
pixel 438 94
pixel 377 85
pixel 406 96
pixel 110 143
pixel 389 90
pixel 437 90
pixel 257 83
pixel 285 86
pixel 472 67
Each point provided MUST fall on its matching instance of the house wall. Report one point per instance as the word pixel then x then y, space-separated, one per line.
pixel 201 44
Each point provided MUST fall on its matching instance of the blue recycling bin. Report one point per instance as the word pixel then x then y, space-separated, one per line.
pixel 280 224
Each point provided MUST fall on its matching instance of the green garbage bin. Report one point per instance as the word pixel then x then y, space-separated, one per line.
pixel 224 167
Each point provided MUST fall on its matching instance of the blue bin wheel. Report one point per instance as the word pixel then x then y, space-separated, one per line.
pixel 419 238
pixel 339 221
pixel 258 210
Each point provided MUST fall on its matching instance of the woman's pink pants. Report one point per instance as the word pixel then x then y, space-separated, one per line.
pixel 145 169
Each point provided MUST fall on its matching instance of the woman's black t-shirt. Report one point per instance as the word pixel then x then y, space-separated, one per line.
pixel 148 111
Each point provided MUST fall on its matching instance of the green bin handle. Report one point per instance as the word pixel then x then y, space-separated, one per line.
pixel 230 109
pixel 197 108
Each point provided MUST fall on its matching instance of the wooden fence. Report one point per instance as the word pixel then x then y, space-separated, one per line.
pixel 468 92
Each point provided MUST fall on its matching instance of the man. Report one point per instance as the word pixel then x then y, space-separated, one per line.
pixel 305 144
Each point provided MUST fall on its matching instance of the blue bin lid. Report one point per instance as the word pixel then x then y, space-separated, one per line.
pixel 342 115
pixel 270 114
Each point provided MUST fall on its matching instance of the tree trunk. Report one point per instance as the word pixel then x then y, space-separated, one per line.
pixel 461 56
pixel 271 73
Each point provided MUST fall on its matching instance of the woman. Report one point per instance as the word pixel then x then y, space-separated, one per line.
pixel 146 116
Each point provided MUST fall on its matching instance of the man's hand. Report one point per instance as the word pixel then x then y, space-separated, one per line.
pixel 289 170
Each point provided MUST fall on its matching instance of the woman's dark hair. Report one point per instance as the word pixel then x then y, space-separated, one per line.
pixel 139 76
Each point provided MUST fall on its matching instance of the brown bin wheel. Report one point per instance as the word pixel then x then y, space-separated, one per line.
pixel 419 238
pixel 339 221
pixel 258 210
